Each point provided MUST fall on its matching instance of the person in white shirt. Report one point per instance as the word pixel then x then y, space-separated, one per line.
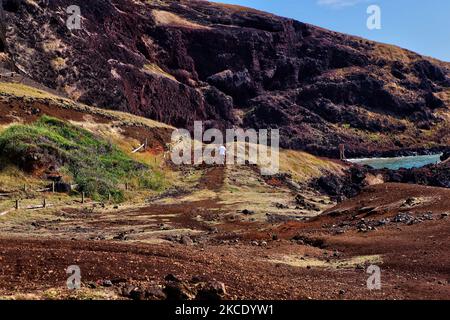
pixel 222 154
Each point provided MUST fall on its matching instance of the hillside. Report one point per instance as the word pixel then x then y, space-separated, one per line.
pixel 86 177
pixel 179 61
pixel 53 148
pixel 47 138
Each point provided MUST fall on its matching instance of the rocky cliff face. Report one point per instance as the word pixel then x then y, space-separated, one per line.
pixel 179 61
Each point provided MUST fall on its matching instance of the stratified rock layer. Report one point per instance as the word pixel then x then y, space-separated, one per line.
pixel 180 61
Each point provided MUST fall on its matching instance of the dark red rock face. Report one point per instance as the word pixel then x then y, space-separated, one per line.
pixel 180 61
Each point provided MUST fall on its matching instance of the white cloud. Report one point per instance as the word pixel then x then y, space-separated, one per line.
pixel 339 3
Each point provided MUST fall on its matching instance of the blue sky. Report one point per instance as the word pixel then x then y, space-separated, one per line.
pixel 419 25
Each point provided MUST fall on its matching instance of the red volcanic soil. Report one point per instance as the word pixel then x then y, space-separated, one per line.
pixel 415 258
pixel 17 109
pixel 24 111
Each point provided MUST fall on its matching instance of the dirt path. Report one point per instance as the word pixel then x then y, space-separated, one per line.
pixel 213 178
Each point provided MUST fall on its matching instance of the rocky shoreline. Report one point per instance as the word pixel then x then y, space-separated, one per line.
pixel 357 177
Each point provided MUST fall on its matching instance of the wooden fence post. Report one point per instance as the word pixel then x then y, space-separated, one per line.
pixel 53 186
pixel 44 203
pixel 17 204
pixel 82 197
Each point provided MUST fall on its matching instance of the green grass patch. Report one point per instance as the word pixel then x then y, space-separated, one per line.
pixel 374 137
pixel 97 166
pixel 346 126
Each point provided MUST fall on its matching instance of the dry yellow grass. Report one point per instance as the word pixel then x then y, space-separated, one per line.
pixel 393 53
pixel 166 18
pixel 52 45
pixel 113 133
pixel 58 63
pixel 444 96
pixel 302 262
pixel 238 8
pixel 21 90
pixel 155 69
pixel 341 73
pixel 65 294
pixel 12 179
pixel 304 166
pixel 24 91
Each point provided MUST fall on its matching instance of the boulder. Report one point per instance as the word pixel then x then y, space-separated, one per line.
pixel 175 290
pixel 211 291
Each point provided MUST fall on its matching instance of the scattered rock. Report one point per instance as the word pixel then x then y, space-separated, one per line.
pixel 121 236
pixel 186 240
pixel 363 226
pixel 403 218
pixel 163 226
pixel 281 206
pixel 126 290
pixel 314 242
pixel 427 216
pixel 383 222
pixel 171 277
pixel 275 218
pixel 408 219
pixel 175 290
pixel 411 202
pixel 106 283
pixel 155 293
pixel 137 294
pixel 213 230
pixel 302 204
pixel 212 291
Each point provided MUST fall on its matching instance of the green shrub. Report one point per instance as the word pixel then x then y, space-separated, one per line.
pixel 96 166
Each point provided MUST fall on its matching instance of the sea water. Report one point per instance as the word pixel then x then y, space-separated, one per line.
pixel 399 162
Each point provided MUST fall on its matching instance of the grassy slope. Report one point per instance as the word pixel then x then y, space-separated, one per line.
pixel 26 92
pixel 50 141
pixel 301 165
pixel 304 167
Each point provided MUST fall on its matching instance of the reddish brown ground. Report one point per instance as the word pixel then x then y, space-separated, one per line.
pixel 31 111
pixel 13 110
pixel 415 258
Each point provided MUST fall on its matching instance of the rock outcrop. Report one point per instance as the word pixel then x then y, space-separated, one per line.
pixel 351 183
pixel 180 61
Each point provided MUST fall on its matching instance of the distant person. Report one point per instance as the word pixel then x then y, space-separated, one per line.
pixel 222 154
